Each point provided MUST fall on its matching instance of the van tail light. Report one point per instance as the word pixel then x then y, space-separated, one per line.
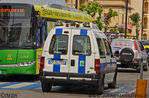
pixel 42 59
pixel 135 43
pixel 97 64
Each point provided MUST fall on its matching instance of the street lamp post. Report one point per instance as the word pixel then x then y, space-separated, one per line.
pixel 76 4
pixel 141 69
pixel 142 19
pixel 126 19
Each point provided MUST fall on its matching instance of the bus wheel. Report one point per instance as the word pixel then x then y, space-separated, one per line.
pixel 46 87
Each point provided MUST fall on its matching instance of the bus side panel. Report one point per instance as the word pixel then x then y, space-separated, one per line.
pixel 38 56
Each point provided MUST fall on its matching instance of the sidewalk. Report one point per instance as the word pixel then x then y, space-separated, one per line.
pixel 133 92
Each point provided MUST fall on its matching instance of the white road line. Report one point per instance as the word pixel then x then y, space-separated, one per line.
pixel 117 89
pixel 132 91
pixel 3 83
pixel 19 85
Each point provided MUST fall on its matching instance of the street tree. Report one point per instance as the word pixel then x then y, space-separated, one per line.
pixel 94 8
pixel 91 8
pixel 110 14
pixel 135 18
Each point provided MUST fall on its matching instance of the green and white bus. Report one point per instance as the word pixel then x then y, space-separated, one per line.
pixel 23 30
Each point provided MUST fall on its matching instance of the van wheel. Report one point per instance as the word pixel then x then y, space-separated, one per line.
pixel 99 89
pixel 113 84
pixel 46 87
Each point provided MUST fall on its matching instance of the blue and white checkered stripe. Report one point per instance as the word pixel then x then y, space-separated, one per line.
pixel 56 67
pixel 82 59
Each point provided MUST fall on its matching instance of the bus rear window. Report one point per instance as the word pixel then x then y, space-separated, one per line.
pixel 59 44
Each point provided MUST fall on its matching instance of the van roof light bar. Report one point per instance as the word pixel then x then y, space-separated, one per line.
pixel 86 24
pixel 59 23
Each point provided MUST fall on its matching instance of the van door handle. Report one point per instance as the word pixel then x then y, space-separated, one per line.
pixel 72 62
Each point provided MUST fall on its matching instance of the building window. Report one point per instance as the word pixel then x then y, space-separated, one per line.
pixel 146 8
pixel 144 36
pixel 122 18
pixel 145 22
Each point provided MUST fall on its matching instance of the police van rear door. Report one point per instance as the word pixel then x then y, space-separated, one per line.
pixel 58 53
pixel 81 57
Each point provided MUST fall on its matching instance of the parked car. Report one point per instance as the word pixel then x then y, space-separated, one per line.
pixel 129 53
pixel 77 55
pixel 146 47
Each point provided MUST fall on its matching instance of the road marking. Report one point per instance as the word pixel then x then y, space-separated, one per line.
pixel 117 89
pixel 19 85
pixel 132 91
pixel 3 83
pixel 36 86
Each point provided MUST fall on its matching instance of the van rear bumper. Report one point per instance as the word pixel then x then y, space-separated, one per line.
pixel 68 81
pixel 69 78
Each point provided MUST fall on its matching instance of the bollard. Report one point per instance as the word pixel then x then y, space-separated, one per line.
pixel 141 88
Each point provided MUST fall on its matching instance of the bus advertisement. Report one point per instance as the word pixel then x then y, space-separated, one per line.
pixel 23 30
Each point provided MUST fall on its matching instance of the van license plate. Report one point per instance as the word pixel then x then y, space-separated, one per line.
pixel 56 62
pixel 62 62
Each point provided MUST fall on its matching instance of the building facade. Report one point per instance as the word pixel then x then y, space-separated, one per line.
pixel 120 6
pixel 145 34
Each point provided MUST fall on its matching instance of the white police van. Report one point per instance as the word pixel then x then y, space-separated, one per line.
pixel 78 54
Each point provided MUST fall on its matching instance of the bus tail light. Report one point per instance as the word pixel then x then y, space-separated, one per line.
pixel 97 64
pixel 135 43
pixel 42 59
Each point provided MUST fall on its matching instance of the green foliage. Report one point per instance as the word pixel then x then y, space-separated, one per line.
pixel 99 24
pixel 115 29
pixel 93 7
pixel 82 7
pixel 121 30
pixel 135 18
pixel 111 13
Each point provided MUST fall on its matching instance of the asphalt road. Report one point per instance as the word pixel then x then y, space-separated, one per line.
pixel 29 87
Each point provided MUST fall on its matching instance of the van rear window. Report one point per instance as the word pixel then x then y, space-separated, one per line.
pixel 59 44
pixel 81 45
